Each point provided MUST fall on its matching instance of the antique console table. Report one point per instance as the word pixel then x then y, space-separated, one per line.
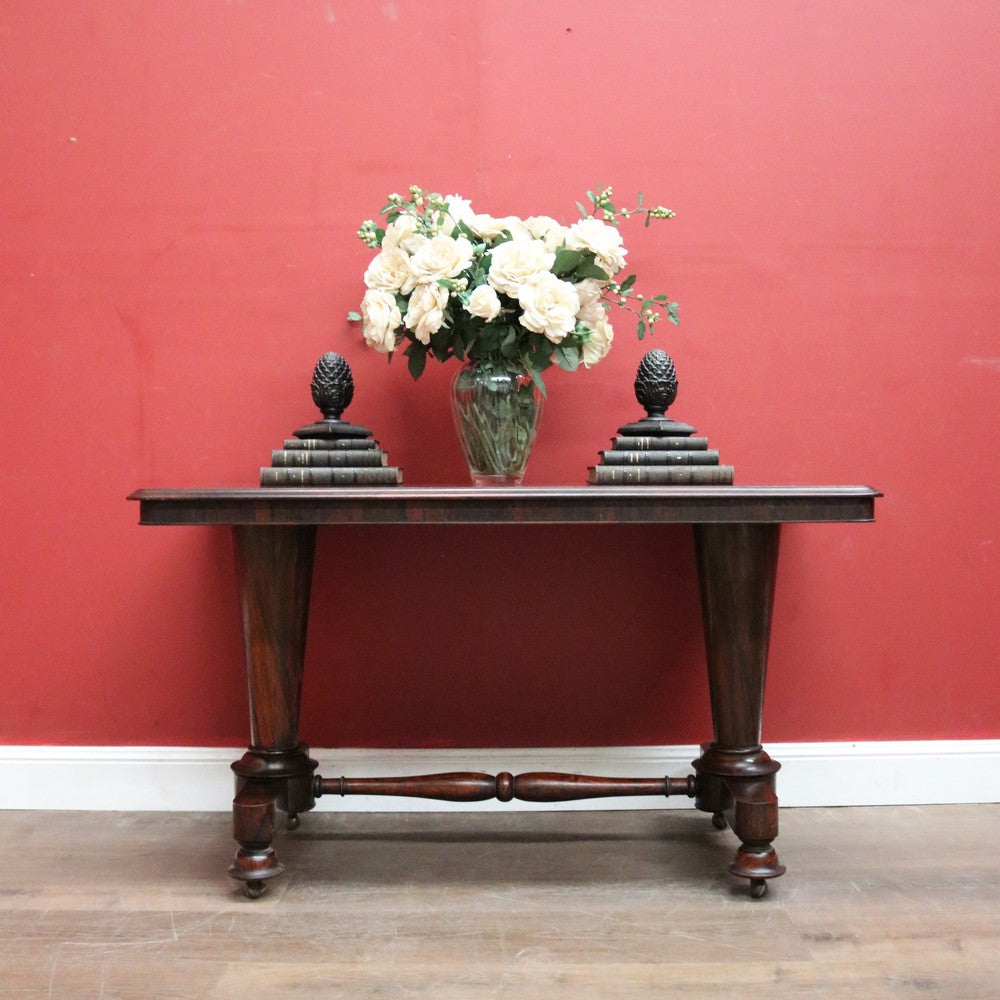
pixel 736 531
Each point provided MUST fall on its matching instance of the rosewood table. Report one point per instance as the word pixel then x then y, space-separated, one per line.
pixel 736 532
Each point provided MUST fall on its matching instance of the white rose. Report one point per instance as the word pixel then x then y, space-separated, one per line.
pixel 485 226
pixel 489 227
pixel 381 319
pixel 459 209
pixel 550 232
pixel 599 342
pixel 590 291
pixel 604 241
pixel 517 261
pixel 595 317
pixel 389 270
pixel 425 312
pixel 484 303
pixel 516 227
pixel 403 233
pixel 550 306
pixel 441 257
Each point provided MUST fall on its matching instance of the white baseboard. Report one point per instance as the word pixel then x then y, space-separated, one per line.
pixel 198 778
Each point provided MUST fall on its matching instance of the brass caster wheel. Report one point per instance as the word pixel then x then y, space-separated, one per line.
pixel 292 822
pixel 758 888
pixel 719 821
pixel 254 888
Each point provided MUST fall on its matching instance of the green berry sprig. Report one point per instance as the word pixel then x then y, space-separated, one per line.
pixel 648 310
pixel 605 210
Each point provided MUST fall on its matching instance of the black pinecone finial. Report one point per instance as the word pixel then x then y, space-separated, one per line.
pixel 656 383
pixel 332 385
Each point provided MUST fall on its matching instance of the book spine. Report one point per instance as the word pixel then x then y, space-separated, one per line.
pixel 663 475
pixel 660 457
pixel 325 444
pixel 626 443
pixel 292 458
pixel 310 476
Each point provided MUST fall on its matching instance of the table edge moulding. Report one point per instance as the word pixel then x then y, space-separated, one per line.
pixel 502 505
pixel 736 534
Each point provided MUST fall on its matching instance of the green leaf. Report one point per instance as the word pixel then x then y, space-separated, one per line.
pixel 627 283
pixel 647 220
pixel 589 269
pixel 583 212
pixel 567 357
pixel 566 261
pixel 463 230
pixel 416 355
pixel 672 314
pixel 457 343
pixel 592 197
pixel 469 341
pixel 509 347
pixel 641 330
pixel 540 351
pixel 489 338
pixel 638 200
pixel 353 317
pixel 441 343
pixel 536 377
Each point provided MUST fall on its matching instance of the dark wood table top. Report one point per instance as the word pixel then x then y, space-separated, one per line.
pixel 508 505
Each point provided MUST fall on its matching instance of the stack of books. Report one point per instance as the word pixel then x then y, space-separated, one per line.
pixel 331 452
pixel 656 450
pixel 334 461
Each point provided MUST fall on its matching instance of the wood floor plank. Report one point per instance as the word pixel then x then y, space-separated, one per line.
pixel 893 902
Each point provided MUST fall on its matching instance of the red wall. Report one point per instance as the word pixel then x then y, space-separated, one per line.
pixel 180 185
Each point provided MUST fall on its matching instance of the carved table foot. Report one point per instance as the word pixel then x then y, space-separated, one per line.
pixel 253 829
pixel 267 780
pixel 756 824
pixel 742 781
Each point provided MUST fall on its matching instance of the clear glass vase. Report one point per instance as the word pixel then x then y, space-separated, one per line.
pixel 496 415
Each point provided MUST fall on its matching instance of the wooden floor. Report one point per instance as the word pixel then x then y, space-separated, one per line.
pixel 899 902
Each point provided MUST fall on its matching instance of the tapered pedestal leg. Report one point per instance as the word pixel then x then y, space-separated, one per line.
pixel 274 569
pixel 736 571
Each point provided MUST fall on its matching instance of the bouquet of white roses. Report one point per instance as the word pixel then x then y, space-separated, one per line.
pixel 516 295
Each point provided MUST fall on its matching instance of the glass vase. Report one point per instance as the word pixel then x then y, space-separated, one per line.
pixel 496 415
